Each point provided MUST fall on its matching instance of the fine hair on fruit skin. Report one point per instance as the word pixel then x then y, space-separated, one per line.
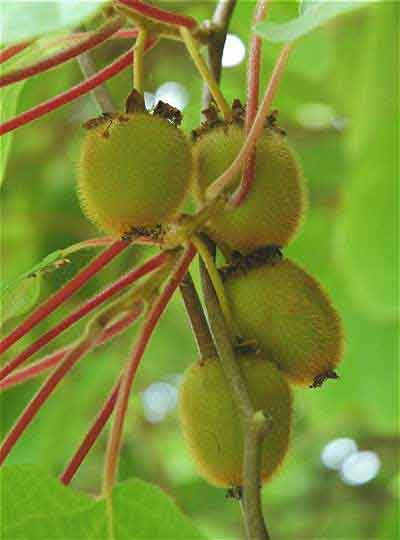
pixel 272 212
pixel 134 172
pixel 289 315
pixel 211 424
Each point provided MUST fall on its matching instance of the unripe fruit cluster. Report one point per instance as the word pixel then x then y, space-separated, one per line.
pixel 135 171
pixel 273 301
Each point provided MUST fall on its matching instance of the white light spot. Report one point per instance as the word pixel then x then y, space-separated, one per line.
pixel 174 94
pixel 360 468
pixel 149 100
pixel 315 116
pixel 334 453
pixel 234 51
pixel 158 400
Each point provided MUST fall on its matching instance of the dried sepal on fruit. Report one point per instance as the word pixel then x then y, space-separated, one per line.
pixel 272 212
pixel 212 427
pixel 288 313
pixel 135 171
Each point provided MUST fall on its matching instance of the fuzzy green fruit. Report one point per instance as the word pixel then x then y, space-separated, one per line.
pixel 211 425
pixel 135 174
pixel 272 212
pixel 291 317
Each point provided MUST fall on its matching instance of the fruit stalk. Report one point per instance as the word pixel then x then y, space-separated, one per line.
pixel 254 521
pixel 61 296
pixel 193 49
pixel 37 368
pixel 161 15
pixel 152 318
pixel 69 95
pixel 217 283
pixel 253 91
pixel 226 179
pixel 91 436
pixel 91 337
pixel 13 50
pixel 138 64
pixel 87 43
pixel 76 353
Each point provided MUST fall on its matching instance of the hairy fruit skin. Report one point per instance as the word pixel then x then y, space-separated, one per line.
pixel 271 214
pixel 290 316
pixel 211 425
pixel 135 176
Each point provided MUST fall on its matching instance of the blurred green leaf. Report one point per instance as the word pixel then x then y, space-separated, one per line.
pixel 8 109
pixel 19 298
pixel 36 506
pixel 22 21
pixel 10 94
pixel 312 15
pixel 368 234
pixel 22 294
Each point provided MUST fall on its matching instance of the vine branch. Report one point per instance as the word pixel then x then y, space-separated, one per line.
pixel 254 423
pixel 198 322
pixel 220 24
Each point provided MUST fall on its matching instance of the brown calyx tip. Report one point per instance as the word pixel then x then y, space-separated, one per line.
pixel 213 119
pixel 106 120
pixel 156 234
pixel 235 492
pixel 241 264
pixel 134 103
pixel 320 379
pixel 168 112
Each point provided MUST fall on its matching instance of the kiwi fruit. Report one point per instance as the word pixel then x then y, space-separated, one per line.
pixel 135 171
pixel 291 317
pixel 273 210
pixel 211 425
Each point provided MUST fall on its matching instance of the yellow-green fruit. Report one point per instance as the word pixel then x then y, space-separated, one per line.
pixel 137 176
pixel 291 317
pixel 211 425
pixel 272 212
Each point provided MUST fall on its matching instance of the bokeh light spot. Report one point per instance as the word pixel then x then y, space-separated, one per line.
pixel 234 51
pixel 360 468
pixel 337 451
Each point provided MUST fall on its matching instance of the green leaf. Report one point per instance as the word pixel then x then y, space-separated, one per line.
pixel 20 298
pixel 35 506
pixel 39 50
pixel 22 294
pixel 369 231
pixel 312 16
pixel 22 21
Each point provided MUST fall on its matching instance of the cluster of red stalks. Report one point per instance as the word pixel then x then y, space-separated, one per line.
pixel 64 359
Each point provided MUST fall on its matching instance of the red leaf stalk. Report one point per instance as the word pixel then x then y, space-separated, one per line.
pixel 35 369
pixel 106 294
pixel 91 436
pixel 253 91
pixel 152 318
pixel 161 15
pixel 80 89
pixel 61 296
pixel 88 43
pixel 53 359
pixel 41 396
pixel 10 52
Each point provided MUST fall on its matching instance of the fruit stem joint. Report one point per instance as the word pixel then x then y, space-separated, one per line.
pixel 260 423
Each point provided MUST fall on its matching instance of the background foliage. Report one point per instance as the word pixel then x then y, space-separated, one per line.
pixel 338 103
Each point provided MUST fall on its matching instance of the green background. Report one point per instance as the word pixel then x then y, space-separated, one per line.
pixel 349 241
